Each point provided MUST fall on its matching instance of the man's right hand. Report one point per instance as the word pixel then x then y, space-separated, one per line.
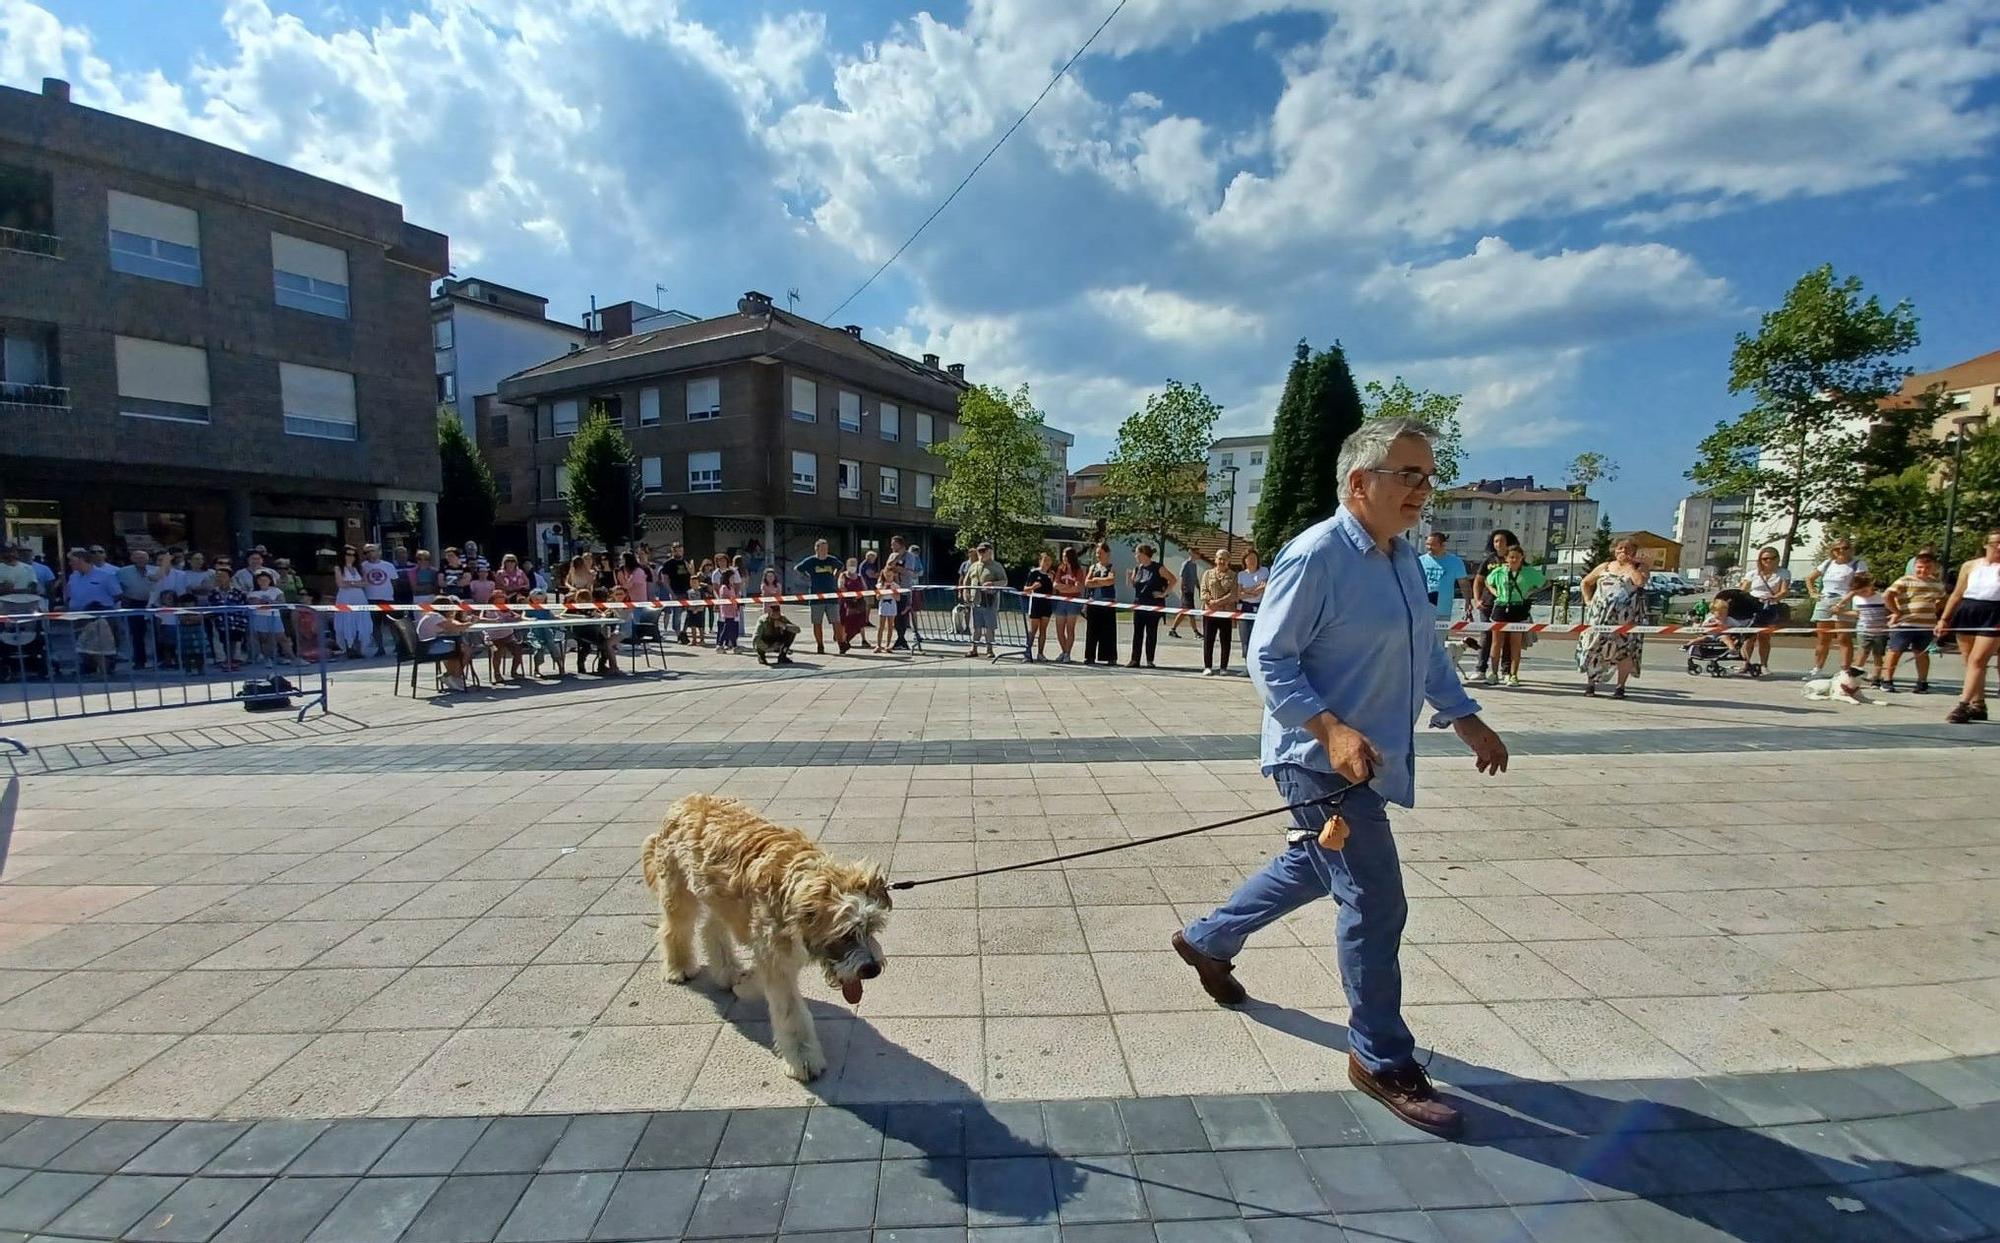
pixel 1347 749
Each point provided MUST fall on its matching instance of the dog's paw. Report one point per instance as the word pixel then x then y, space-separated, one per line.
pixel 807 1064
pixel 725 977
pixel 675 975
pixel 747 987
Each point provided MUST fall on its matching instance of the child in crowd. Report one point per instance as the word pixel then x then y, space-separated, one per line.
pixel 544 640
pixel 306 624
pixel 1914 601
pixel 885 624
pixel 1871 623
pixel 699 596
pixel 267 622
pixel 775 633
pixel 502 640
pixel 729 630
pixel 1512 586
pixel 181 636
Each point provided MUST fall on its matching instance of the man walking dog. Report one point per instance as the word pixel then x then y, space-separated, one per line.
pixel 1344 655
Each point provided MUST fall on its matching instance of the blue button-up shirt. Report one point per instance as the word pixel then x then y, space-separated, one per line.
pixel 1347 628
pixel 94 588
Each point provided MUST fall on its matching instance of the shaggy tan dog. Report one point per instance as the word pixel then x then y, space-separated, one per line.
pixel 771 889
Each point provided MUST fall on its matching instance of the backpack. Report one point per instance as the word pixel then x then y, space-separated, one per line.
pixel 267 694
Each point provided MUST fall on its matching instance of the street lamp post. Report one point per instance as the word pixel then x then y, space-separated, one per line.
pixel 1229 523
pixel 1958 438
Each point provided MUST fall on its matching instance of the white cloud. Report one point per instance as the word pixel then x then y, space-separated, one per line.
pixel 1704 24
pixel 1165 315
pixel 1498 293
pixel 1512 398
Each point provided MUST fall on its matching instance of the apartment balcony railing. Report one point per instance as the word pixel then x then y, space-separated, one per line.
pixel 33 396
pixel 30 242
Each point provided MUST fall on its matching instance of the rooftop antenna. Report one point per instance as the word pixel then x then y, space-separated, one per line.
pixel 659 294
pixel 792 299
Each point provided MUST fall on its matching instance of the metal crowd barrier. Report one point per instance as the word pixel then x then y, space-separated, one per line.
pixel 58 666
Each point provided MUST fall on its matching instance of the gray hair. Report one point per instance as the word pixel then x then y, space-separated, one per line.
pixel 1368 448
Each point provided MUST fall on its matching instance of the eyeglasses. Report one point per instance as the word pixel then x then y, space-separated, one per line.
pixel 1410 477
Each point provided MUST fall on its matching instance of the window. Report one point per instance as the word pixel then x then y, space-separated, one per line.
pixel 705 471
pixel 154 239
pixel 890 420
pixel 497 430
pixel 310 277
pixel 649 407
pixel 649 475
pixel 318 402
pixel 1257 457
pixel 562 481
pixel 805 400
pixel 850 480
pixel 503 483
pixel 805 471
pixel 850 412
pixel 441 335
pixel 924 485
pixel 892 486
pixel 564 418
pixel 1465 505
pixel 1228 460
pixel 161 381
pixel 704 399
pixel 448 387
pixel 926 426
pixel 1960 401
pixel 1256 486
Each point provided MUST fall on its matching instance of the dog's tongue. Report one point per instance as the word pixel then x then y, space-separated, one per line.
pixel 851 989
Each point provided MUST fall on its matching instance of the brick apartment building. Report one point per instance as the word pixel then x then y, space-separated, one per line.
pixel 203 349
pixel 753 425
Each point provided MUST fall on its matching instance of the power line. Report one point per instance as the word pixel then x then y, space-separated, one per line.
pixel 991 152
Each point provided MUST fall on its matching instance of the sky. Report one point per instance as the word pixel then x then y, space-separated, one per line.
pixel 1563 211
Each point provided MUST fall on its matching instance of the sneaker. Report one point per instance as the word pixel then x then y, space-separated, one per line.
pixel 1889 685
pixel 1208 673
pixel 1876 683
pixel 1921 688
pixel 1816 673
pixel 1063 659
pixel 1489 677
pixel 1513 679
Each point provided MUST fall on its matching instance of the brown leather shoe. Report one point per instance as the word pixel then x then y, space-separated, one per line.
pixel 1218 977
pixel 1409 1095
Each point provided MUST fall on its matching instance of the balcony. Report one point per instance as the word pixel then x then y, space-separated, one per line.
pixel 33 397
pixel 29 242
pixel 27 212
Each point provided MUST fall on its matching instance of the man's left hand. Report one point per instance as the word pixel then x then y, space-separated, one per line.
pixel 1487 749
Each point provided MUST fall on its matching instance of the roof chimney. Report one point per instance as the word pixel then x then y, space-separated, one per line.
pixel 754 303
pixel 854 330
pixel 56 89
pixel 931 361
pixel 957 371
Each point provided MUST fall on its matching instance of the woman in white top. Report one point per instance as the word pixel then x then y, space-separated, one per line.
pixel 1249 590
pixel 1829 584
pixel 1973 614
pixel 350 629
pixel 1768 583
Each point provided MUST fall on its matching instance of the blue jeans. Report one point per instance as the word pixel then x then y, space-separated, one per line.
pixel 1365 879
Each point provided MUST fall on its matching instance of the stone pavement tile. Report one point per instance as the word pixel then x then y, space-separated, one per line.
pixel 515 1145
pixel 39 1198
pixel 1149 981
pixel 73 998
pixel 1162 1124
pixel 1030 888
pixel 1718 1034
pixel 832 1197
pixel 284 944
pixel 1439 1176
pixel 262 903
pixel 921 1193
pixel 1030 930
pixel 493 940
pixel 923 1130
pixel 1721 965
pixel 558 1207
pixel 648 1204
pixel 361 900
pixel 1113 929
pixel 1681 1219
pixel 565 896
pixel 1282 975
pixel 1975 1190
pixel 1576 1222
pixel 186 1148
pixel 65 946
pixel 742 1201
pixel 376 1208
pixel 1305 1049
pixel 1831 1026
pixel 1106 1189
pixel 842 1134
pixel 106 1149
pixel 1763 1099
pixel 1115 887
pixel 391 943
pixel 1507 1166
pixel 912 1059
pixel 196 1210
pixel 1954 1082
pixel 1003 1129
pixel 1534 918
pixel 1590 1039
pixel 309 1000
pixel 37 1141
pixel 1241 1122
pixel 1504 972
pixel 1633 916
pixel 1357 1179
pixel 350 1146
pixel 741 1067
pixel 67 1071
pixel 428 997
pixel 165 905
pixel 1227 1230
pixel 1038 984
pixel 604 939
pixel 185 1002
pixel 1320 1119
pixel 647 1000
pixel 946 933
pixel 286 1211
pixel 1184 1186
pixel 430 1146
pixel 596 1142
pixel 449 899
pixel 340 1074
pixel 684 1140
pixel 1449 920
pixel 1271 1182
pixel 14 983
pixel 761 1137
pixel 1941 1013
pixel 267 1147
pixel 554 995
pixel 1051 1057
pixel 1184 1053
pixel 481 1070
pixel 1469 879
pixel 921 987
pixel 1083 1128
pixel 197 1077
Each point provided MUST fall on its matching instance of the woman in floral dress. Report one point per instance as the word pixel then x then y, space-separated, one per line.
pixel 1614 594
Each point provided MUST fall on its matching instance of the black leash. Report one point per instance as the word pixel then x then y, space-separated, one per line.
pixel 1322 801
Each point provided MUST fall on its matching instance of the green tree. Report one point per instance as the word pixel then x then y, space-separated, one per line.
pixel 1438 411
pixel 1600 544
pixel 995 484
pixel 468 497
pixel 1816 371
pixel 1587 468
pixel 599 499
pixel 1319 411
pixel 1156 479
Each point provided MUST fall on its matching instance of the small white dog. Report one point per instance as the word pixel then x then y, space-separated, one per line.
pixel 1844 687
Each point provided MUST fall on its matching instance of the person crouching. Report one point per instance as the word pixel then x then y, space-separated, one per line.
pixel 775 634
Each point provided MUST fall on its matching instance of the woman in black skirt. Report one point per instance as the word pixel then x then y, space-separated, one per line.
pixel 1100 620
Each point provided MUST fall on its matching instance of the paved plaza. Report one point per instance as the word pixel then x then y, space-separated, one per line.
pixel 1710 962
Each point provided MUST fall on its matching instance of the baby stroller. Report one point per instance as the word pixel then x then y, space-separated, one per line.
pixel 1721 655
pixel 1711 655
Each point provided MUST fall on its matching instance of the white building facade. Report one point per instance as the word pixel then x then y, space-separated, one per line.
pixel 482 332
pixel 1237 463
pixel 1542 519
pixel 1710 525
pixel 1056 444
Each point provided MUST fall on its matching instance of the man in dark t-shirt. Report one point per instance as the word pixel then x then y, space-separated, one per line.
pixel 679 576
pixel 821 573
